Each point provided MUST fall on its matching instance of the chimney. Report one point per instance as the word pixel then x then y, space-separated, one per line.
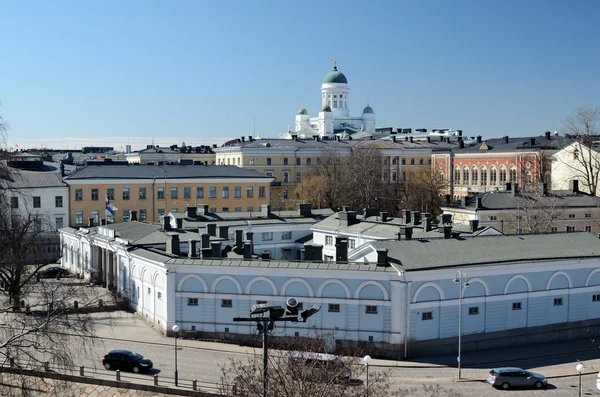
pixel 91 221
pixel 243 138
pixel 446 219
pixel 478 138
pixel 103 221
pixel 474 224
pixel 394 139
pixel 215 249
pixel 341 249
pixel 406 217
pixel 205 240
pixel 531 141
pixel 317 253
pixel 266 255
pixel 211 229
pixel 202 209
pixel 448 199
pixel 239 239
pixel 547 133
pixel 133 215
pixel 505 138
pixel 305 209
pixel 383 216
pixel 173 243
pixel 428 139
pixel 247 250
pixel 179 222
pixel 347 218
pixel 426 221
pixel 382 257
pixel 508 187
pixel 447 229
pixel 461 144
pixel 442 139
pixel 416 218
pixel 224 232
pixel 459 138
pixel 192 248
pixel 459 132
pixel 574 185
pixel 265 210
pixel 515 188
pixel 367 212
pixel 166 222
pixel 190 212
pixel 544 189
pixel 410 138
pixel 406 232
pixel 478 203
pixel 250 239
pixel 250 138
pixel 308 252
pixel 62 169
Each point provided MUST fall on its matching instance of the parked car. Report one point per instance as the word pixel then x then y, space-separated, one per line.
pixel 319 367
pixel 126 360
pixel 507 377
pixel 52 272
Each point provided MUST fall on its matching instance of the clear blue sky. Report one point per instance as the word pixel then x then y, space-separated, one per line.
pixel 116 72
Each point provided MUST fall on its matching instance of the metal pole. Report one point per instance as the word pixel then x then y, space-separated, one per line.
pixel 176 371
pixel 265 359
pixel 580 384
pixel 460 288
pixel 367 380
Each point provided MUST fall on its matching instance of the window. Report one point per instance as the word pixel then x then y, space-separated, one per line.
pixel 225 209
pixel 149 290
pixel 286 177
pixel 226 303
pixel 298 162
pixel 412 161
pixel 59 223
pixel 213 192
pixel 465 176
pixel 212 210
pixel 251 161
pixel 516 306
pixel 261 192
pixel 571 216
pixel 403 161
pixel 588 215
pixel 596 298
pixel 492 218
pixel 474 176
pixel 250 209
pixel 225 192
pixel 334 307
pixel 237 192
pixel 125 193
pixel 474 310
pixel 160 194
pixel 142 215
pixel 58 201
pixel 298 177
pixel 96 216
pixel 268 161
pixel 267 236
pixel 512 174
pixel 192 302
pixel 174 192
pixel 200 192
pixel 457 176
pixel 37 202
pixel 483 177
pixel 328 240
pixel 493 175
pixel 286 235
pixel 193 327
pixel 79 218
pixel 250 192
pixel 570 229
pixel 238 209
pixel 502 176
pixel 394 176
pixel 159 295
pixel 142 193
pixel 558 301
pixel 308 161
pixel 427 316
pixel 385 176
pixel 371 309
pixel 161 212
pixel 78 194
pixel 187 192
pixel 261 302
pixel 285 161
pixel 37 226
pixel 351 243
pixel 125 215
pixel 94 194
pixel 110 193
pixel 588 228
pixel 554 229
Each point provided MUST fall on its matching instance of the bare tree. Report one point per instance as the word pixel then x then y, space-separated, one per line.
pixel 534 213
pixel 584 160
pixel 422 190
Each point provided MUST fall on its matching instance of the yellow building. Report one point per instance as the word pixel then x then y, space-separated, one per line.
pixel 154 190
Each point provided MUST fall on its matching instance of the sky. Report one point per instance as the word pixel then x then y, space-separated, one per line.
pixel 111 73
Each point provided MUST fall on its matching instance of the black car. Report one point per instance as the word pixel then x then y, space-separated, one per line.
pixel 52 272
pixel 126 360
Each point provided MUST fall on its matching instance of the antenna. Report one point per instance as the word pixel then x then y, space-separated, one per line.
pixel 253 125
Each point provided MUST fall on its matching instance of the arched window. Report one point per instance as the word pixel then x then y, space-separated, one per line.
pixel 528 177
pixel 466 175
pixel 493 176
pixel 512 174
pixel 483 176
pixel 442 179
pixel 457 176
pixel 474 176
pixel 502 175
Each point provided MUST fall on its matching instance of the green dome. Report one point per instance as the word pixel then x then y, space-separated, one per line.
pixel 326 108
pixel 335 77
pixel 303 111
pixel 368 109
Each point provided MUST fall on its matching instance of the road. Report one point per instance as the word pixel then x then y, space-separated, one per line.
pixel 202 361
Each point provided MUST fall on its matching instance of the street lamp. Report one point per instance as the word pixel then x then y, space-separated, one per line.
pixel 176 330
pixel 580 367
pixel 366 360
pixel 461 280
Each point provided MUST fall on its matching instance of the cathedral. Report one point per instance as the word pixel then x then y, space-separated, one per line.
pixel 334 117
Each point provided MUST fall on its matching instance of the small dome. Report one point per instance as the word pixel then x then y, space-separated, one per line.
pixel 335 76
pixel 368 109
pixel 326 108
pixel 303 111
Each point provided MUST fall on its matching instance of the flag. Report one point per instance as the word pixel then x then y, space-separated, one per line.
pixel 16 145
pixel 110 208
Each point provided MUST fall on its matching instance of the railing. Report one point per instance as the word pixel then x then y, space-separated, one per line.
pixel 118 375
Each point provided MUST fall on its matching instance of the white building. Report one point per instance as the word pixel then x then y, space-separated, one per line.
pixel 334 116
pixel 577 162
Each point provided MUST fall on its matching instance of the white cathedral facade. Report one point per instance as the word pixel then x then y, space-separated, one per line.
pixel 334 117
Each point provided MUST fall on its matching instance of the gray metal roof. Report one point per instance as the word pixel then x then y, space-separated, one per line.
pixel 516 144
pixel 424 254
pixel 499 200
pixel 32 179
pixel 145 171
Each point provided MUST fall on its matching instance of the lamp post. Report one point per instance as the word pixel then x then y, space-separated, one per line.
pixel 461 280
pixel 366 360
pixel 580 367
pixel 176 330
